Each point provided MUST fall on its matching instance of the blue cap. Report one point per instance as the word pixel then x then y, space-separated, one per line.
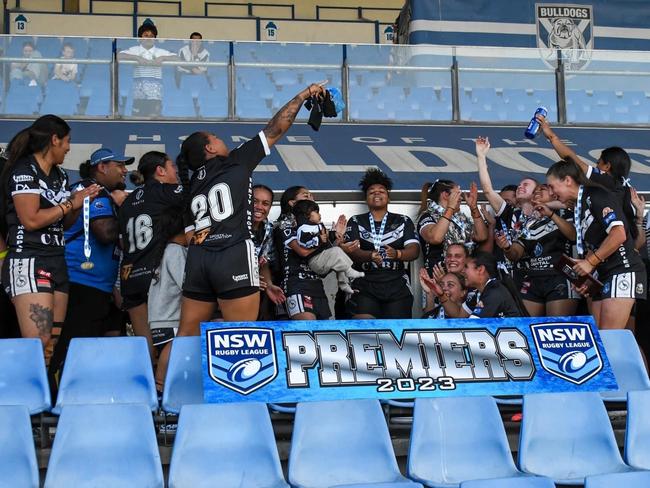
pixel 105 154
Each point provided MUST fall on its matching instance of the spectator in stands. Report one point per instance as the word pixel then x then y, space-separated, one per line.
pixel 147 75
pixel 91 309
pixel 29 73
pixel 266 252
pixel 66 71
pixel 194 52
pixel 142 233
pixel 221 262
pixel 38 206
pixel 604 244
pixel 388 242
pixel 165 292
pixel 441 221
pixel 452 285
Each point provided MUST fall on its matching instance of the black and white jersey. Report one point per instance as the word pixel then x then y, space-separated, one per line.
pixel 543 243
pixel 461 229
pixel 297 272
pixel 600 211
pixel 398 232
pixel 140 231
pixel 495 301
pixel 221 196
pixel 27 178
pixel 512 221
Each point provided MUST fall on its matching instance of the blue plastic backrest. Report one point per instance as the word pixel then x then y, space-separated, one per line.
pixel 637 435
pixel 567 436
pixel 341 442
pixel 107 370
pixel 184 379
pixel 17 454
pixel 105 445
pixel 23 379
pixel 225 445
pixel 638 479
pixel 516 482
pixel 625 357
pixel 457 439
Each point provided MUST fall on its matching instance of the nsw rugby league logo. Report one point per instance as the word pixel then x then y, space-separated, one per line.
pixel 567 350
pixel 568 28
pixel 242 359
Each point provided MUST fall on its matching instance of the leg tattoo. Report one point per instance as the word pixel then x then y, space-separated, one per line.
pixel 42 318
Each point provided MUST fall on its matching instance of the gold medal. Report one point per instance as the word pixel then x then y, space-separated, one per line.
pixel 87 265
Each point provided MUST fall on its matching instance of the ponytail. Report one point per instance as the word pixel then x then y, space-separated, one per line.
pixel 136 177
pixel 85 169
pixel 432 192
pixel 288 195
pixel 424 197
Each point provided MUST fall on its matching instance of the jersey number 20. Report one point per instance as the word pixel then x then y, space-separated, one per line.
pixel 218 202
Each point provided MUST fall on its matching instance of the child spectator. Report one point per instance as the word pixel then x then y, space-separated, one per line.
pixel 66 71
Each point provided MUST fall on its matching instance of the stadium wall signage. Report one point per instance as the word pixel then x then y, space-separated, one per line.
pixel 277 362
pixel 335 158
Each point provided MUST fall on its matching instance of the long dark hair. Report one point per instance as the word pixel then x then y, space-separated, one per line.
pixel 288 195
pixel 620 165
pixel 432 191
pixel 482 258
pixel 568 167
pixel 147 166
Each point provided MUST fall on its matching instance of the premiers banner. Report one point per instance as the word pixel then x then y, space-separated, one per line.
pixel 277 362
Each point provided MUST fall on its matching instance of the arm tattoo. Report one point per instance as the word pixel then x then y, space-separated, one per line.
pixel 42 318
pixel 283 119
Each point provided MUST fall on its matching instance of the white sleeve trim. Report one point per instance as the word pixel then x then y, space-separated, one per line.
pixel 189 228
pixel 467 309
pixel 265 143
pixel 288 241
pixel 35 191
pixel 474 317
pixel 615 223
pixel 501 208
pixel 424 225
pixel 590 170
pixel 411 241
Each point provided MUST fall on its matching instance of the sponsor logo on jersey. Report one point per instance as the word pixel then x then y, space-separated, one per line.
pixel 125 272
pixel 639 289
pixel 242 359
pixel 240 277
pixel 23 178
pixel 200 236
pixel 567 350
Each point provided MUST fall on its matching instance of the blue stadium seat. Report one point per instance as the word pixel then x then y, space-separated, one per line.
pixel 23 378
pixel 105 445
pixel 516 482
pixel 638 479
pixel 184 379
pixel 49 47
pixel 22 99
pixel 61 97
pixel 17 454
pixel 100 48
pixel 637 434
pixel 112 370
pixel 196 85
pixel 342 443
pixel 178 103
pixel 252 108
pixel 627 364
pixel 215 104
pixel 99 105
pixel 439 456
pixel 567 436
pixel 225 445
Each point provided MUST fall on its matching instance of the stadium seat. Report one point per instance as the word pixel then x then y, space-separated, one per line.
pixel 516 482
pixel 61 97
pixel 105 445
pixel 225 445
pixel 457 439
pixel 107 370
pixel 638 479
pixel 22 99
pixel 637 435
pixel 340 443
pixel 567 436
pixel 98 105
pixel 215 104
pixel 178 103
pixel 17 454
pixel 100 48
pixel 23 378
pixel 627 364
pixel 184 379
pixel 196 85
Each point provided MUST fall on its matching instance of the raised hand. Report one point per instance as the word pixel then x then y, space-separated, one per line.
pixel 639 203
pixel 471 198
pixel 340 226
pixel 438 271
pixel 454 198
pixel 502 240
pixel 77 197
pixel 482 146
pixel 429 283
pixel 545 126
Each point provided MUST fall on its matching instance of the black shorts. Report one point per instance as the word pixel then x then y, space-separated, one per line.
pixel 162 335
pixel 301 303
pixel 134 300
pixel 226 274
pixel 623 285
pixel 545 288
pixel 382 299
pixel 39 274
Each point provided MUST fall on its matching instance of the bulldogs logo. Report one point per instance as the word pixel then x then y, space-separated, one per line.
pixel 565 28
pixel 242 359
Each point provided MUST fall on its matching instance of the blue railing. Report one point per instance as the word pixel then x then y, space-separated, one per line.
pixel 380 83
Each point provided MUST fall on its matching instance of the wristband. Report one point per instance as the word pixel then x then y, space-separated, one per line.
pixel 399 254
pixel 598 257
pixel 62 211
pixel 3 254
pixel 475 213
pixel 446 218
pixel 588 260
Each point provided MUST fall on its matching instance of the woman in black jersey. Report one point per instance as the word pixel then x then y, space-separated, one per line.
pixel 387 243
pixel 612 171
pixel 221 262
pixel 142 237
pixel 603 242
pixel 38 206
pixel 546 237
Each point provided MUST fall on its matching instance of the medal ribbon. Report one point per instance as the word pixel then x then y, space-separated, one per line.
pixel 577 211
pixel 376 237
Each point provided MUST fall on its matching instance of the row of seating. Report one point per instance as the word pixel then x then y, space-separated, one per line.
pixel 566 438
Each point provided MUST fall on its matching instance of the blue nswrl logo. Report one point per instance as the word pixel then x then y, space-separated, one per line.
pixel 567 350
pixel 242 359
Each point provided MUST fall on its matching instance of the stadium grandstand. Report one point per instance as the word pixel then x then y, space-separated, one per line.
pixel 479 162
